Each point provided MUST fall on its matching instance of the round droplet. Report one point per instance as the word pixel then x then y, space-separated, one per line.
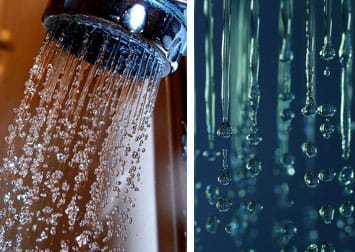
pixel 346 209
pixel 224 178
pixel 225 130
pixel 326 110
pixel 254 167
pixel 212 224
pixel 327 129
pixel 346 175
pixel 223 204
pixel 309 109
pixel 309 149
pixel 327 213
pixel 327 52
pixel 311 180
pixel 253 207
pixel 287 115
pixel 254 138
pixel 312 248
pixel 349 190
pixel 327 247
pixel 326 71
pixel 230 228
pixel 212 194
pixel 327 175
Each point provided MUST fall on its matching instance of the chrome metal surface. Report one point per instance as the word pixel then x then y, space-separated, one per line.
pixel 161 23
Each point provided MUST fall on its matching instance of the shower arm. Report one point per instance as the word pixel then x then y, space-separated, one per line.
pixel 163 27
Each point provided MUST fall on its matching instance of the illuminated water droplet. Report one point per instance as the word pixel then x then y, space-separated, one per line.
pixel 309 109
pixel 312 248
pixel 225 130
pixel 346 175
pixel 326 110
pixel 309 149
pixel 223 204
pixel 288 230
pixel 225 178
pixel 327 52
pixel 327 213
pixel 254 167
pixel 327 129
pixel 212 224
pixel 311 180
pixel 346 209
pixel 327 247
pixel 254 138
pixel 212 194
pixel 326 71
pixel 252 207
pixel 230 228
pixel 327 175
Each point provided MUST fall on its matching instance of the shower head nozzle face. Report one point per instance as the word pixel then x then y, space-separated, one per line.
pixel 160 23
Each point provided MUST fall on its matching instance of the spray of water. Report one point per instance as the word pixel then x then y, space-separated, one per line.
pixel 72 163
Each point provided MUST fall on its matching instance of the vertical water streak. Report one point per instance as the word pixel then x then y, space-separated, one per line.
pixel 225 130
pixel 310 108
pixel 345 57
pixel 327 52
pixel 284 113
pixel 254 90
pixel 210 97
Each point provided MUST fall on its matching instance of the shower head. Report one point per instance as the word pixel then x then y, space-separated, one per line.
pixel 159 25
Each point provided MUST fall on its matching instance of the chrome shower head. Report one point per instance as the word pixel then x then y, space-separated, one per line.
pixel 158 24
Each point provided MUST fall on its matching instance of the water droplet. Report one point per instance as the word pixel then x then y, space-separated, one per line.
pixel 326 71
pixel 288 160
pixel 346 209
pixel 230 228
pixel 252 207
pixel 327 129
pixel 223 204
pixel 312 248
pixel 254 167
pixel 309 149
pixel 327 175
pixel 225 178
pixel 327 52
pixel 311 180
pixel 225 130
pixel 212 224
pixel 327 247
pixel 288 230
pixel 309 109
pixel 327 213
pixel 346 175
pixel 212 194
pixel 254 138
pixel 326 110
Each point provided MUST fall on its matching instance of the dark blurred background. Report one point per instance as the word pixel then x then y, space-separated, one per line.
pixel 328 92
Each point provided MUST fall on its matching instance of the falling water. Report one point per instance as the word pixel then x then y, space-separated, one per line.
pixel 254 91
pixel 225 130
pixel 72 164
pixel 345 57
pixel 210 97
